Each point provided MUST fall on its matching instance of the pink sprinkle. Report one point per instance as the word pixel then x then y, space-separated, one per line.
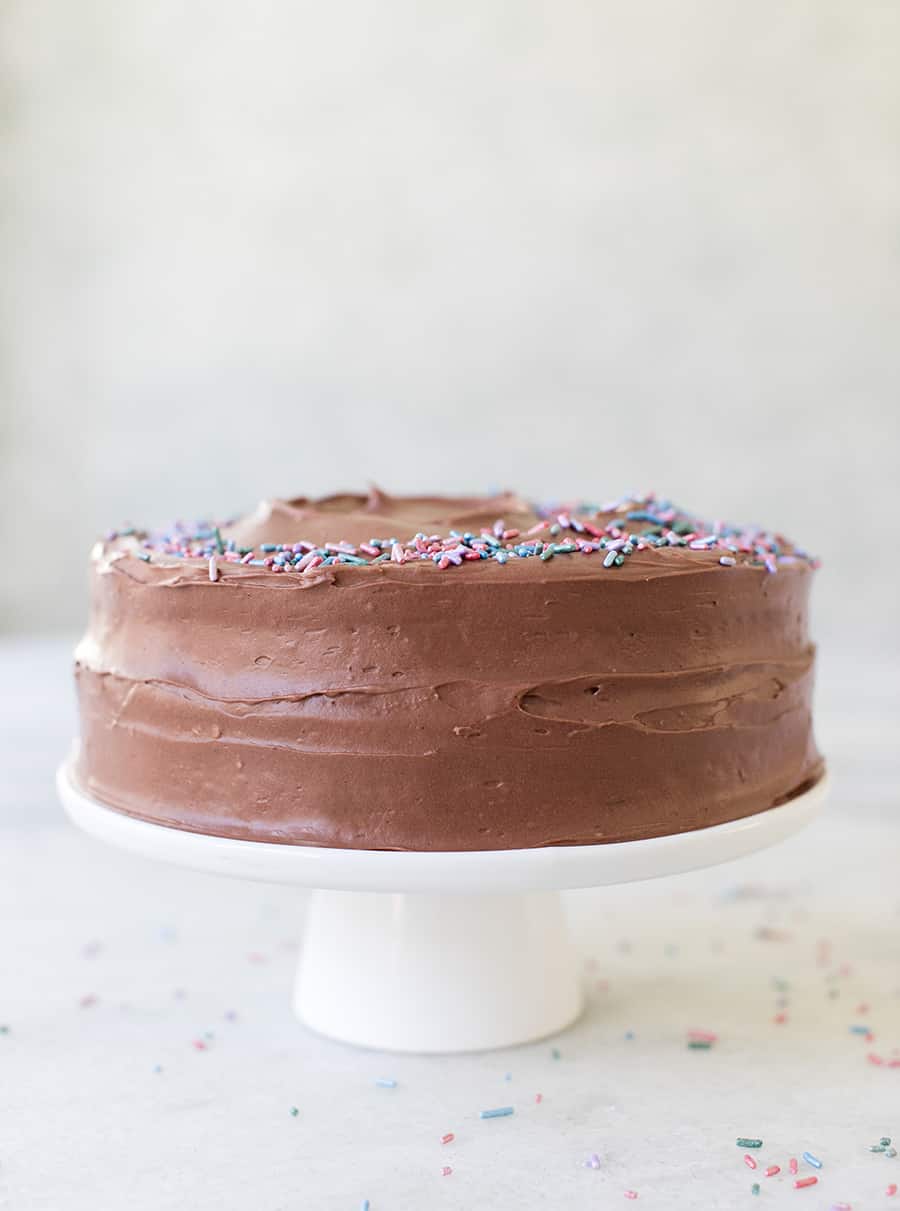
pixel 446 1171
pixel 538 1097
pixel 802 1182
pixel 246 558
pixel 448 1138
pixel 397 553
pixel 631 1194
pixel 875 1059
pixel 703 1036
pixel 891 1190
pixel 373 551
pixel 87 1001
pixel 749 1161
pixel 314 561
pixel 772 1170
pixel 200 1045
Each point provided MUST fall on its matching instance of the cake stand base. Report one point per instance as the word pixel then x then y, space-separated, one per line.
pixel 437 973
pixel 439 952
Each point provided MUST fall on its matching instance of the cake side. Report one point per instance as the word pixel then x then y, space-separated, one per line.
pixel 495 704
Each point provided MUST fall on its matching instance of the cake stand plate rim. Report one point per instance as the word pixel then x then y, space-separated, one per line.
pixel 551 868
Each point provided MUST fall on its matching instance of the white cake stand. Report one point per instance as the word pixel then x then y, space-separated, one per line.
pixel 439 952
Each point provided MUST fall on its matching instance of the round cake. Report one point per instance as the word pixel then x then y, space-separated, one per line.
pixel 425 673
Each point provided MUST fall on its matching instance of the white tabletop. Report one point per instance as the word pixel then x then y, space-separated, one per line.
pixel 151 1060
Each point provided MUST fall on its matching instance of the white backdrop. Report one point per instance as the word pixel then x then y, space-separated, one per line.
pixel 571 248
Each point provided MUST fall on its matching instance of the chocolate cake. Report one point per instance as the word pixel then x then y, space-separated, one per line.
pixel 447 674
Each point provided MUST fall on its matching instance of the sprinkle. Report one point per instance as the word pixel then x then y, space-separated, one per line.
pixel 364 1205
pixel 754 1189
pixel 593 1161
pixel 213 569
pixel 772 1170
pixel 386 1082
pixel 886 1140
pixel 699 1045
pixel 538 1098
pixel 812 1160
pixel 727 561
pixel 703 1036
pixel 446 1171
pixel 294 1111
pixel 554 1051
pixel 891 1190
pixel 608 562
pixel 448 1138
pixel 632 1194
pixel 497 1112
pixel 749 1161
pixel 802 1182
pixel 792 1164
pixel 743 1141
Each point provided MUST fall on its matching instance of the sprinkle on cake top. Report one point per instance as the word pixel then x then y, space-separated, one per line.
pixel 610 533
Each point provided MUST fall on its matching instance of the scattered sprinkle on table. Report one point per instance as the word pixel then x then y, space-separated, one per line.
pixel 631 1194
pixel 592 1162
pixel 802 1182
pixel 448 1138
pixel 812 1160
pixel 386 1082
pixel 772 1170
pixel 446 1171
pixel 749 1161
pixel 891 1190
pixel 294 1111
pixel 497 1112
pixel 754 1189
pixel 744 1141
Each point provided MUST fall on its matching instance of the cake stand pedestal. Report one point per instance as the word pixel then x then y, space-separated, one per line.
pixel 439 952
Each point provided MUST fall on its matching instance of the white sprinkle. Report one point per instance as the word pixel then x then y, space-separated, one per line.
pixel 213 569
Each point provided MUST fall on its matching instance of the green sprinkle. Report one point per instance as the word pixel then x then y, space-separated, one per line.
pixel 555 1053
pixel 699 1045
pixel 878 1148
pixel 547 553
pixel 220 546
pixel 743 1142
pixel 886 1140
pixel 4 1030
pixel 294 1111
pixel 754 1189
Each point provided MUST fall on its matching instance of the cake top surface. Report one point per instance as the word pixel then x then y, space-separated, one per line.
pixel 303 536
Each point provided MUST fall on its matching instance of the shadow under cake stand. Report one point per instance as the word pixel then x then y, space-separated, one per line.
pixel 439 952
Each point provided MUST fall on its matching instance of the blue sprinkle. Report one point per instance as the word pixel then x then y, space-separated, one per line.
pixel 143 555
pixel 499 1112
pixel 386 1082
pixel 268 546
pixel 859 1030
pixel 812 1160
pixel 501 557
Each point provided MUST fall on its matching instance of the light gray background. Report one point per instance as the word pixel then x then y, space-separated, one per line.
pixel 572 248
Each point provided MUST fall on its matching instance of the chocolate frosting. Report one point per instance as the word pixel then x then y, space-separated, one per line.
pixel 397 706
